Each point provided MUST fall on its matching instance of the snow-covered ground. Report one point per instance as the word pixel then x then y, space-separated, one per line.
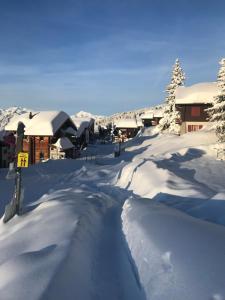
pixel 146 225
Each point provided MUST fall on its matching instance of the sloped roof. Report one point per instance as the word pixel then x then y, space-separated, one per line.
pixel 198 93
pixel 148 115
pixel 43 123
pixel 126 123
pixel 157 113
pixel 64 143
pixel 82 124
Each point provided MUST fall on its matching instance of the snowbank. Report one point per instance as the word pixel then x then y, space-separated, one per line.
pixel 177 257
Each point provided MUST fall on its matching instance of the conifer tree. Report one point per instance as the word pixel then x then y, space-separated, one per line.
pixel 169 120
pixel 217 111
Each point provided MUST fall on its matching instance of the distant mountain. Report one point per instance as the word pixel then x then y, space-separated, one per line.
pixel 84 114
pixel 7 114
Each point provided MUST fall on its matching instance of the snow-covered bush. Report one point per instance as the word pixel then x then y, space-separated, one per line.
pixel 171 115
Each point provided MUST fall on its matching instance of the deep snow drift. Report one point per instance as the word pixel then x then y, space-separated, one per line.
pixel 71 243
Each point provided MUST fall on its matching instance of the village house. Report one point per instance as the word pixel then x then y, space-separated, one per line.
pixel 85 130
pixel 152 117
pixel 63 148
pixel 128 128
pixel 42 129
pixel 191 102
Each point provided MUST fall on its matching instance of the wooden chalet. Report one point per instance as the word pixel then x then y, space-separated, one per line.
pixel 42 129
pixel 152 117
pixel 127 128
pixel 192 101
pixel 85 130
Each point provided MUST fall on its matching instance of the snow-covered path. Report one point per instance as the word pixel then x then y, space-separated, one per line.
pixel 78 240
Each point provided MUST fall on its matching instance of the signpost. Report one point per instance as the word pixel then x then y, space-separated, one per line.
pixel 22 160
pixel 14 207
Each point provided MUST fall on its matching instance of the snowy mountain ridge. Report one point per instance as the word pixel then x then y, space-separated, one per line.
pixel 7 114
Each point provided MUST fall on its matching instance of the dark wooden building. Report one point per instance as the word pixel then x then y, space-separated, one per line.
pixel 127 128
pixel 192 103
pixel 42 129
pixel 152 118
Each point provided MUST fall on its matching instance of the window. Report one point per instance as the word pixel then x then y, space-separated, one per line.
pixel 195 111
pixel 194 127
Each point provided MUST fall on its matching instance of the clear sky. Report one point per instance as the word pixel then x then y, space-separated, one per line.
pixel 104 56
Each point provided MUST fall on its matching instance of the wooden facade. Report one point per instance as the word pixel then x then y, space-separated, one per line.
pixel 38 148
pixel 128 133
pixel 43 129
pixel 193 116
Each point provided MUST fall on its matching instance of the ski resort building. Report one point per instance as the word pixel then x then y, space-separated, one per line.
pixel 192 101
pixel 42 129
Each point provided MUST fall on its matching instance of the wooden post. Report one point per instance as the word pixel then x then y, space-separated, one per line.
pixel 14 207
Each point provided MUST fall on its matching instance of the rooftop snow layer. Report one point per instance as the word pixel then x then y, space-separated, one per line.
pixel 126 123
pixel 198 93
pixel 64 143
pixel 82 124
pixel 43 123
pixel 148 115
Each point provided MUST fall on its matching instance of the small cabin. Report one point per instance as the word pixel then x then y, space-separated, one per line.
pixel 63 148
pixel 85 130
pixel 152 117
pixel 42 129
pixel 127 127
pixel 192 102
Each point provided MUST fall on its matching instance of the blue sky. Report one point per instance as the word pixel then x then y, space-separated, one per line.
pixel 104 56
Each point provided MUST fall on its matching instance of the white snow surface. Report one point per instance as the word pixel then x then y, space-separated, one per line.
pixel 126 123
pixel 82 124
pixel 146 225
pixel 203 92
pixel 64 143
pixel 43 123
pixel 84 114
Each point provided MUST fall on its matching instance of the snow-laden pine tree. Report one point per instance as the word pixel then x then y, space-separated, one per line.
pixel 171 115
pixel 217 111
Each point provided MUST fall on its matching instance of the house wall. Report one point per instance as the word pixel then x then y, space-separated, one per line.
pixel 37 147
pixel 147 122
pixel 187 115
pixel 193 116
pixel 129 132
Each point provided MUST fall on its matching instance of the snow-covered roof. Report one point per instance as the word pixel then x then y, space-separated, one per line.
pixel 126 123
pixel 64 143
pixel 198 93
pixel 82 124
pixel 158 113
pixel 140 123
pixel 148 115
pixel 43 123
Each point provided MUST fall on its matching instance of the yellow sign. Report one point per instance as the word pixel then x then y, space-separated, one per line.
pixel 23 159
